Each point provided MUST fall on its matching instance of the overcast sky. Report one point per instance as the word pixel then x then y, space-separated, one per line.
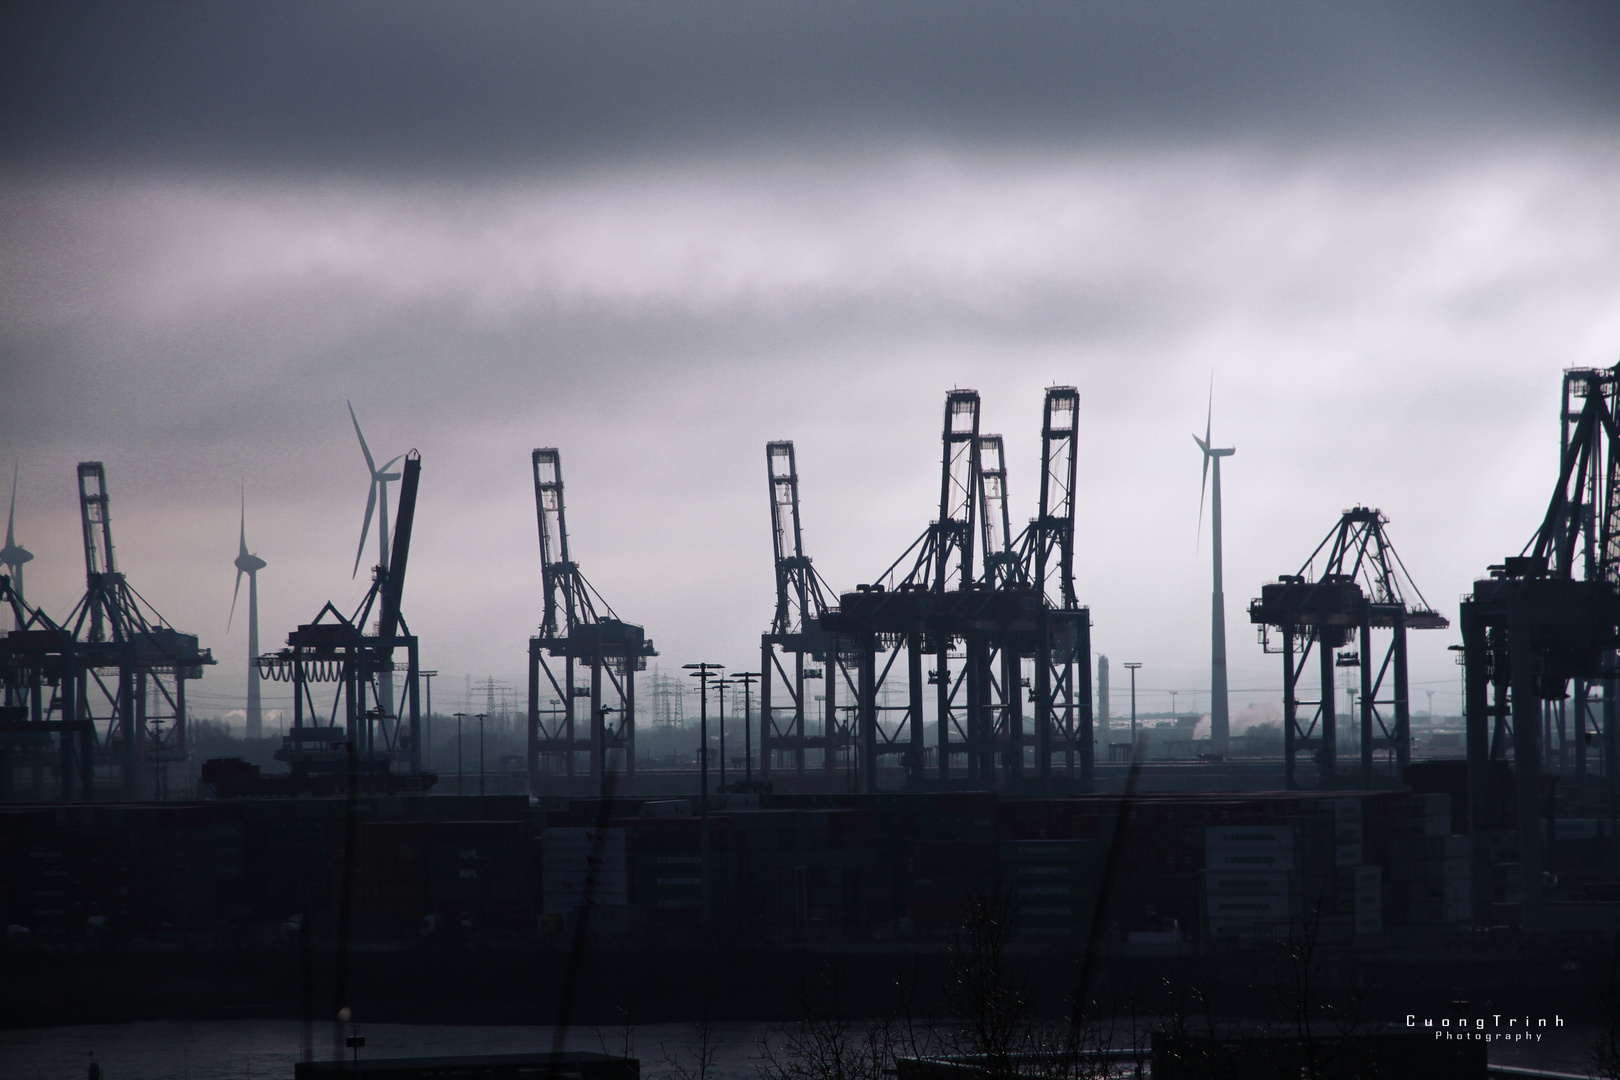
pixel 658 235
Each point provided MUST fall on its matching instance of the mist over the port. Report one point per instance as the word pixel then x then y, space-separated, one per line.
pixel 656 238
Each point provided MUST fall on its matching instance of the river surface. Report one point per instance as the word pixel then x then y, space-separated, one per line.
pixel 268 1049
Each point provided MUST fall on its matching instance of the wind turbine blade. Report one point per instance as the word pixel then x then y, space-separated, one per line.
pixel 371 466
pixel 242 553
pixel 385 467
pixel 1203 486
pixel 1204 444
pixel 11 519
pixel 365 530
pixel 1209 413
pixel 234 594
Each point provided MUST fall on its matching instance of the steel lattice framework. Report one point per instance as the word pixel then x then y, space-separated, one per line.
pixel 41 684
pixel 1362 586
pixel 1003 601
pixel 334 650
pixel 1549 615
pixel 795 642
pixel 576 631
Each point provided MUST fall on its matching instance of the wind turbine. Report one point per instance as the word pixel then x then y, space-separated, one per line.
pixel 1219 717
pixel 249 565
pixel 379 484
pixel 12 556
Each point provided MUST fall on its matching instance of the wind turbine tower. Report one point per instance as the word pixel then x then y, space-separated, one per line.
pixel 250 565
pixel 12 556
pixel 1219 717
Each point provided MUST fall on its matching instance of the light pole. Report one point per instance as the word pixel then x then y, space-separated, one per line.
pixel 747 679
pixel 427 721
pixel 701 672
pixel 1174 716
pixel 460 772
pixel 720 685
pixel 481 754
pixel 603 712
pixel 1133 665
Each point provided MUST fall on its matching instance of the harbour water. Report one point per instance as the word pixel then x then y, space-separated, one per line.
pixel 268 1049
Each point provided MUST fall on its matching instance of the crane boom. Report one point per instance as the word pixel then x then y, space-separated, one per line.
pixel 798 593
pixel 1054 525
pixel 999 561
pixel 958 491
pixel 93 512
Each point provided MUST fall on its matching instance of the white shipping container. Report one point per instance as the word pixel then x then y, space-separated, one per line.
pixel 580 858
pixel 1428 848
pixel 1346 855
pixel 1247 883
pixel 1429 826
pixel 1456 891
pixel 1248 837
pixel 575 882
pixel 567 895
pixel 1261 928
pixel 1347 832
pixel 1574 828
pixel 1369 922
pixel 1250 907
pixel 1431 804
pixel 561 838
pixel 1368 877
pixel 1241 859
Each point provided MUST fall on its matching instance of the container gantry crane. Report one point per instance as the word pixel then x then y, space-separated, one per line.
pixel 41 684
pixel 334 649
pixel 1001 617
pixel 796 633
pixel 1062 659
pixel 129 669
pixel 1544 617
pixel 611 650
pixel 1360 589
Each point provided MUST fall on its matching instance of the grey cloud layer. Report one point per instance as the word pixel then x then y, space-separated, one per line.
pixel 1384 328
pixel 457 87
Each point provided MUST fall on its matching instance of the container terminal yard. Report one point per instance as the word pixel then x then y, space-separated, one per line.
pixel 918 752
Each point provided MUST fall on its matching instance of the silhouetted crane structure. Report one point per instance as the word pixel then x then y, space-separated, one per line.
pixel 337 650
pixel 40 685
pixel 1540 619
pixel 132 669
pixel 108 679
pixel 576 632
pixel 795 642
pixel 1363 587
pixel 1020 606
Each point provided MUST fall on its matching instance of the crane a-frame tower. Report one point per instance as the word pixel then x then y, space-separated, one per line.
pixel 586 638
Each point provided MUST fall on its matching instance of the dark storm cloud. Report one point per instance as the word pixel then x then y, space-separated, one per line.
pixel 447 86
